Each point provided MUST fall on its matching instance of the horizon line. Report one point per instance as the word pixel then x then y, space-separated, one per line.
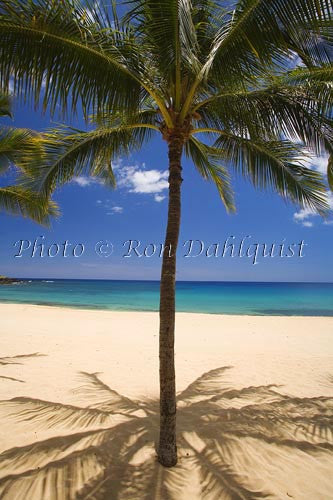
pixel 177 281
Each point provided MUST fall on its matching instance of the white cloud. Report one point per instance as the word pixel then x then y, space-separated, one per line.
pixel 133 179
pixel 117 210
pixel 314 162
pixel 150 181
pixel 319 163
pixel 141 181
pixel 159 197
pixel 82 181
pixel 85 181
pixel 110 209
pixel 307 223
pixel 303 215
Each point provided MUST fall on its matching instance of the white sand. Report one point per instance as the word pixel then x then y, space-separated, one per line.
pixel 260 449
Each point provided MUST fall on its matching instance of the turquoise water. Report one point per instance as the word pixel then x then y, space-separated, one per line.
pixel 287 299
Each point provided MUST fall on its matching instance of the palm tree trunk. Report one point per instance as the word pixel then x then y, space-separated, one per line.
pixel 167 451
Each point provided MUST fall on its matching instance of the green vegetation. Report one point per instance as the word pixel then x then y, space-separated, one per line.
pixel 4 280
pixel 18 147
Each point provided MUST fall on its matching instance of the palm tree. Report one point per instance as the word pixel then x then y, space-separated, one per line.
pixel 216 81
pixel 103 448
pixel 17 145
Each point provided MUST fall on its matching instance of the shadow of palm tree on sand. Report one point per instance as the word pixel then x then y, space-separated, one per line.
pixel 16 360
pixel 106 449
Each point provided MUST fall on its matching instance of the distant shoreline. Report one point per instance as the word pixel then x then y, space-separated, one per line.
pixel 5 280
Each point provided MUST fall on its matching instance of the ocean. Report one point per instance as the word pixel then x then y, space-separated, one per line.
pixel 286 299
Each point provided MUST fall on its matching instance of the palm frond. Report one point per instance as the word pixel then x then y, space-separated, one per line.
pixel 206 16
pixel 255 36
pixel 5 104
pixel 303 75
pixel 206 159
pixel 59 51
pixel 148 115
pixel 17 200
pixel 276 165
pixel 167 29
pixel 330 171
pixel 300 111
pixel 17 145
pixel 255 33
pixel 315 48
pixel 69 153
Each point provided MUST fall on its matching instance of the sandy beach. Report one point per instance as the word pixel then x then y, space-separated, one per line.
pixel 253 424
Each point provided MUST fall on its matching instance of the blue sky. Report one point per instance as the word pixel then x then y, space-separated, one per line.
pixel 136 210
